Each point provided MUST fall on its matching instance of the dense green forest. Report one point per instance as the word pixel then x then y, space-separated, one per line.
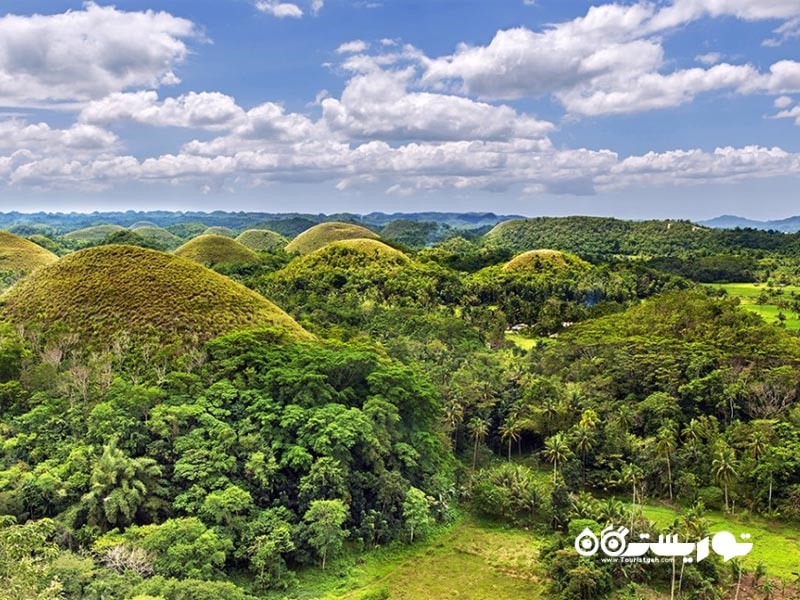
pixel 305 410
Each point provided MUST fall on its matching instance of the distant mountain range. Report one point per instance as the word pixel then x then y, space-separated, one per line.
pixel 788 225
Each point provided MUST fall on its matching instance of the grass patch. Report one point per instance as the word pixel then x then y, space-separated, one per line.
pixel 470 559
pixel 774 543
pixel 749 294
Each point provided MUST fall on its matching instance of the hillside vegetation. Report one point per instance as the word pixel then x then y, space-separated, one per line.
pixel 262 240
pixel 214 250
pixel 325 233
pixel 158 235
pixel 102 292
pixel 92 234
pixel 546 261
pixel 599 236
pixel 224 231
pixel 19 256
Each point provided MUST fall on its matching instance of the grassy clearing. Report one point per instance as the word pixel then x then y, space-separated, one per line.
pixel 470 559
pixel 748 294
pixel 774 543
pixel 521 341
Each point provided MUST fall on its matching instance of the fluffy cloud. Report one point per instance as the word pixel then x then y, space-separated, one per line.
pixel 790 113
pixel 611 60
pixel 278 9
pixel 379 105
pixel 352 47
pixel 205 110
pixel 709 58
pixel 85 54
pixel 283 10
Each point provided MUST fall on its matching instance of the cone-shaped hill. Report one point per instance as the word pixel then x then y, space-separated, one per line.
pixel 262 240
pixel 545 261
pixel 224 231
pixel 157 234
pixel 93 234
pixel 105 291
pixel 325 233
pixel 350 272
pixel 19 256
pixel 217 250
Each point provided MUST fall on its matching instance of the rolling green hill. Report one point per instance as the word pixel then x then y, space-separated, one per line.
pixel 214 250
pixel 224 231
pixel 159 235
pixel 603 236
pixel 93 234
pixel 545 261
pixel 19 256
pixel 102 292
pixel 262 240
pixel 325 233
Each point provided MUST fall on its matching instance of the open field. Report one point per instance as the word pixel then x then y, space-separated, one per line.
pixel 748 294
pixel 776 544
pixel 469 559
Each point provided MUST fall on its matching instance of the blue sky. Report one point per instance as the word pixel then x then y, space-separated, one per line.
pixel 678 108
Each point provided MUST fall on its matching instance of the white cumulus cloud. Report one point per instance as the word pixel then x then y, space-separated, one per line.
pixel 89 53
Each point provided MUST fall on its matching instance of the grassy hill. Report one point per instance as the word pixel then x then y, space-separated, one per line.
pixel 101 292
pixel 93 234
pixel 214 250
pixel 545 261
pixel 603 236
pixel 224 231
pixel 262 240
pixel 325 233
pixel 159 235
pixel 19 256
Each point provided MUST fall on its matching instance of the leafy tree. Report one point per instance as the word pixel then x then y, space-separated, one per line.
pixel 416 511
pixel 26 553
pixel 326 534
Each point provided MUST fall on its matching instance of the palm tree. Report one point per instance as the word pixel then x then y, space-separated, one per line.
pixel 119 487
pixel 724 465
pixel 510 432
pixel 452 417
pixel 478 430
pixel 556 451
pixel 665 444
pixel 584 442
pixel 632 474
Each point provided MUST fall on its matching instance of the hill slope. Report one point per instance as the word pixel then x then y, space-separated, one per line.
pixel 602 236
pixel 158 235
pixel 262 240
pixel 101 292
pixel 21 256
pixel 545 261
pixel 93 234
pixel 325 233
pixel 213 250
